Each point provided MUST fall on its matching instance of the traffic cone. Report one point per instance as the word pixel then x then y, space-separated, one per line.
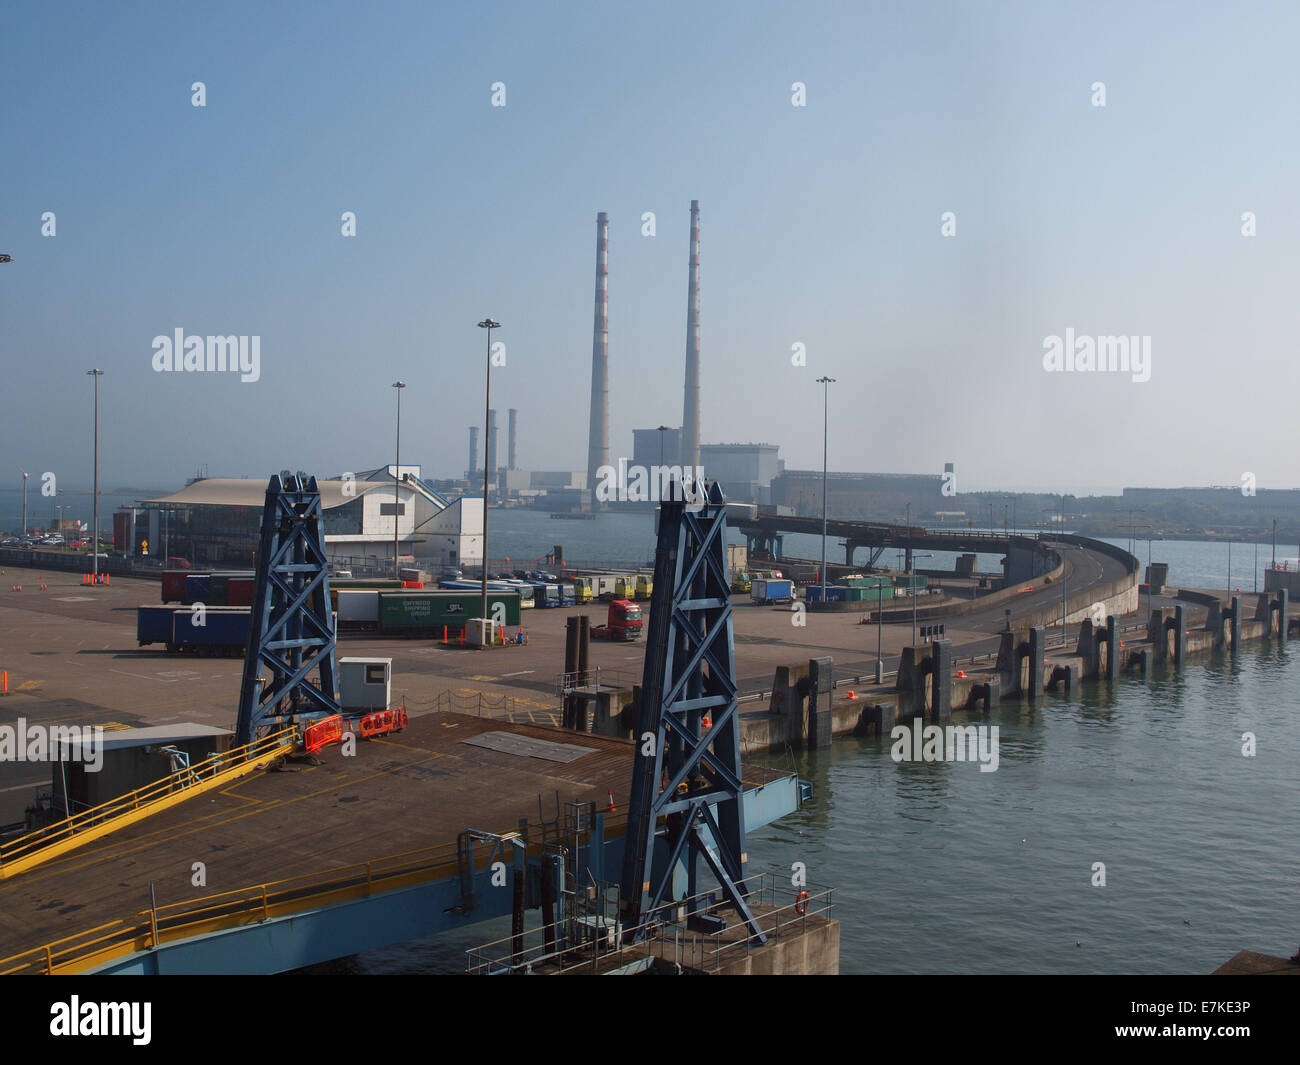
pixel 610 808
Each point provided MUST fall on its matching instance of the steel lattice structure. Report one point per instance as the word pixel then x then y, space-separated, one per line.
pixel 292 628
pixel 687 773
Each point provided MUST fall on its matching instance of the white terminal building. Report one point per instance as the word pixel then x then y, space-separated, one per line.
pixel 217 520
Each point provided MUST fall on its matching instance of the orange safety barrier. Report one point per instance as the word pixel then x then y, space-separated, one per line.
pixel 320 735
pixel 381 722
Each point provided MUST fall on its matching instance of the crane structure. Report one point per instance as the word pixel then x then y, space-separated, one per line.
pixel 687 804
pixel 291 629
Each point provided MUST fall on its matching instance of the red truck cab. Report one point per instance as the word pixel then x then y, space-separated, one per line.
pixel 623 622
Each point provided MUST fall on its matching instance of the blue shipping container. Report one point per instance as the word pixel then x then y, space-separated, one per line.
pixel 153 624
pixel 197 587
pixel 226 627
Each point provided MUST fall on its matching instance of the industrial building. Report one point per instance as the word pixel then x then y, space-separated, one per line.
pixel 217 520
pixel 861 496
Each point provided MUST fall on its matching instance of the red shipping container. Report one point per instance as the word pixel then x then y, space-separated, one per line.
pixel 173 585
pixel 240 591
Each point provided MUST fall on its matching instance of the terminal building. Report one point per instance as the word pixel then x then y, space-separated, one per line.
pixel 217 520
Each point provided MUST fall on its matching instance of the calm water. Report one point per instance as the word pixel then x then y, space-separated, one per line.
pixel 939 868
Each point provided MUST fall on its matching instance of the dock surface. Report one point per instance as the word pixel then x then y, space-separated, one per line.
pixel 413 791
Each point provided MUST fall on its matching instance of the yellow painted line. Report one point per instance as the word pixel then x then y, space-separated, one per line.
pixel 94 832
pixel 28 685
pixel 476 677
pixel 214 820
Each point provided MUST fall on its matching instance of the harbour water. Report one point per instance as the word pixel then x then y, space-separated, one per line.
pixel 939 868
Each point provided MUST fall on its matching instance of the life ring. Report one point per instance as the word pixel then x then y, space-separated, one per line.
pixel 801 903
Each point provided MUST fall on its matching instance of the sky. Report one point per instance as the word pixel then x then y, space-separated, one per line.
pixel 822 225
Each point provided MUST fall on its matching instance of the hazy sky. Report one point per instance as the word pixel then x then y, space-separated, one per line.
pixel 821 226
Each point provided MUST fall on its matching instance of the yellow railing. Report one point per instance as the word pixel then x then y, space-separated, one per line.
pixel 20 854
pixel 231 909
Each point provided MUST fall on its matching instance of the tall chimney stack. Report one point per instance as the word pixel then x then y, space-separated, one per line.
pixel 510 445
pixel 598 437
pixel 690 449
pixel 473 449
pixel 491 444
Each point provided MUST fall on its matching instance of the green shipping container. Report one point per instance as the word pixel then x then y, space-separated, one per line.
pixel 408 612
pixel 219 590
pixel 863 582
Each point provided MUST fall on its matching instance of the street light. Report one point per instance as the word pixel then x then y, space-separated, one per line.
pixel 25 475
pixel 912 573
pixel 880 623
pixel 825 382
pixel 489 325
pixel 96 374
pixel 397 474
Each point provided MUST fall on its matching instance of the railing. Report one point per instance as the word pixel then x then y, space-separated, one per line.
pixel 662 936
pixel 149 929
pixel 142 798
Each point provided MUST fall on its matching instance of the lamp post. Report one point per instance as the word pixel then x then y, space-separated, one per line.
pixel 826 383
pixel 25 509
pixel 96 374
pixel 912 573
pixel 397 475
pixel 880 622
pixel 489 325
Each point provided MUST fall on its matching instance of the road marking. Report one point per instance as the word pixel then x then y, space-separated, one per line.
pixel 520 673
pixel 144 676
pixel 74 598
pixel 477 677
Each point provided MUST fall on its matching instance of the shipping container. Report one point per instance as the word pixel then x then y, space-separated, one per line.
pixel 411 613
pixel 218 590
pixel 859 581
pixel 197 588
pixel 915 580
pixel 358 609
pixel 241 591
pixel 224 630
pixel 173 585
pixel 153 624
